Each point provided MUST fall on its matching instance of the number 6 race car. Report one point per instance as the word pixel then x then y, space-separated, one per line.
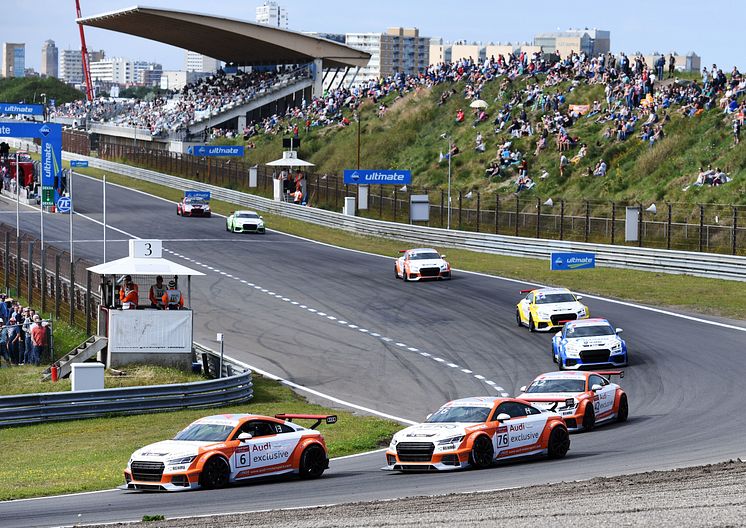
pixel 217 450
pixel 475 432
pixel 547 308
pixel 424 263
pixel 583 399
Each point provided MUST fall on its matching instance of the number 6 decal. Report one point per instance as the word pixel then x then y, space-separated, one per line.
pixel 242 458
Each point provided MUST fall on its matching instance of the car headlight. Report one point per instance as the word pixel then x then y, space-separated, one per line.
pixel 129 463
pixel 393 443
pixel 617 347
pixel 182 460
pixel 572 349
pixel 414 269
pixel 444 267
pixel 581 312
pixel 455 440
pixel 570 405
pixel 543 314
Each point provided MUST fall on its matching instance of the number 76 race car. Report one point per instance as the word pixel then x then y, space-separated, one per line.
pixel 423 263
pixel 217 450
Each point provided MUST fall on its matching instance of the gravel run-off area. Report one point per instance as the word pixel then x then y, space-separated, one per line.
pixel 713 495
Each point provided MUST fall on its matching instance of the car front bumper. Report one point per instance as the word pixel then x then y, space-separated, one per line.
pixel 248 228
pixel 428 275
pixel 447 461
pixel 615 359
pixel 182 481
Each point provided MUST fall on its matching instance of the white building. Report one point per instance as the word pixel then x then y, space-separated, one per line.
pixel 71 66
pixel 398 50
pixel 113 70
pixel 49 59
pixel 272 14
pixel 195 62
pixel 176 80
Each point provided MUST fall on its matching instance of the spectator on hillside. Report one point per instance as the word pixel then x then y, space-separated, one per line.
pixel 4 343
pixel 736 131
pixel 480 146
pixel 600 169
pixel 563 163
pixel 460 116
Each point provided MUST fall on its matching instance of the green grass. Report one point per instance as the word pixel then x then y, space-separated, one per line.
pixel 27 379
pixel 692 294
pixel 88 455
pixel 408 137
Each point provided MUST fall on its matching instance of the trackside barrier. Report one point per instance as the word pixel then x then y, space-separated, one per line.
pixel 646 259
pixel 57 406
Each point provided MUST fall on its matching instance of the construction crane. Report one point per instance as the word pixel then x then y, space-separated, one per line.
pixel 84 53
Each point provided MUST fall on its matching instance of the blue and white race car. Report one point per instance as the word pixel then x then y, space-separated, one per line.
pixel 589 343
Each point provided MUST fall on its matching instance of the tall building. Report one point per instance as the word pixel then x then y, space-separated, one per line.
pixel 398 50
pixel 71 66
pixel 150 76
pixel 14 59
pixel 196 62
pixel 272 14
pixel 115 70
pixel 49 59
pixel 592 42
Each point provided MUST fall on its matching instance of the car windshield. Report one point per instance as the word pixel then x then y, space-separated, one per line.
pixel 423 256
pixel 589 331
pixel 460 414
pixel 205 432
pixel 551 298
pixel 556 385
pixel 195 201
pixel 247 215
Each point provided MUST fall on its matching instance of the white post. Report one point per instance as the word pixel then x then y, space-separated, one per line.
pixel 41 221
pixel 450 149
pixel 18 198
pixel 70 194
pixel 104 217
pixel 220 340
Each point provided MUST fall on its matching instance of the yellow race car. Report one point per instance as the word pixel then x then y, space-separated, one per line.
pixel 548 308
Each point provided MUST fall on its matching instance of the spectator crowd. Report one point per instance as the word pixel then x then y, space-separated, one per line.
pixel 24 336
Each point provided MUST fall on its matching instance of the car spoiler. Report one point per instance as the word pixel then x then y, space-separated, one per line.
pixel 402 251
pixel 609 373
pixel 527 291
pixel 328 418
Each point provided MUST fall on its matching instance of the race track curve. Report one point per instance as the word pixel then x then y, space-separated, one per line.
pixel 403 349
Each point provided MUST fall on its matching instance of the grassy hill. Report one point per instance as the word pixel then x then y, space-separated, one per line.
pixel 29 90
pixel 409 137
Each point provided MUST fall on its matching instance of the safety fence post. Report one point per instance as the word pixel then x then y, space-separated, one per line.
pixel 587 220
pixel 517 209
pixel 43 276
pixel 6 263
pixel 30 275
pixel 460 203
pixel 538 217
pixel 562 220
pixel 701 227
pixel 18 266
pixel 497 214
pixel 613 222
pixel 71 293
pixel 57 293
pixel 668 228
pixel 479 210
pixel 734 237
pixel 87 303
pixel 442 199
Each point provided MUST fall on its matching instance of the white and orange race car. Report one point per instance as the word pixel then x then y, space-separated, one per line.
pixel 583 399
pixel 217 450
pixel 422 263
pixel 476 432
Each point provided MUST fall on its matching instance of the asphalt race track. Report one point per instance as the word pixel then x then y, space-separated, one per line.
pixel 339 322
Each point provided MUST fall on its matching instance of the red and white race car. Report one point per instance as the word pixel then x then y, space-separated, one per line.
pixel 422 263
pixel 583 399
pixel 476 432
pixel 194 203
pixel 217 450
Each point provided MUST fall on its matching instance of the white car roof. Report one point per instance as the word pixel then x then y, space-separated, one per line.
pixel 245 212
pixel 423 250
pixel 589 322
pixel 474 401
pixel 552 290
pixel 562 375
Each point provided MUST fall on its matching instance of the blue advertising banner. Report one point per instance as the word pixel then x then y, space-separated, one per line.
pixel 205 195
pixel 64 204
pixel 216 150
pixel 79 164
pixel 51 153
pixel 378 177
pixel 21 109
pixel 572 261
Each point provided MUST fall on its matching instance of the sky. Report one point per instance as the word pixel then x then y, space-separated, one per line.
pixel 713 28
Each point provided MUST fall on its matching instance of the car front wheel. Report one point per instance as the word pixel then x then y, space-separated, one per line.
pixel 559 442
pixel 312 462
pixel 518 318
pixel 215 474
pixel 531 325
pixel 481 453
pixel 623 413
pixel 589 418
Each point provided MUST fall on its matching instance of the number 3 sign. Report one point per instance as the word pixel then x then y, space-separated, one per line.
pixel 145 248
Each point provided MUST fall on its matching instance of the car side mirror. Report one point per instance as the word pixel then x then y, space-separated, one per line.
pixel 243 437
pixel 619 330
pixel 442 256
pixel 579 297
pixel 428 416
pixel 596 387
pixel 503 417
pixel 523 389
pixel 261 218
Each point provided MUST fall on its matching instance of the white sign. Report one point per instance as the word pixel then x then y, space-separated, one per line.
pixel 146 248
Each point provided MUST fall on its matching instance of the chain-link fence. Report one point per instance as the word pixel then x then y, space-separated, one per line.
pixel 709 227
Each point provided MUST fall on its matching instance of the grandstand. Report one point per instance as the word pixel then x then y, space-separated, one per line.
pixel 285 70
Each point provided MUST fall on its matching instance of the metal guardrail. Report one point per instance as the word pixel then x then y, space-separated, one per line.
pixel 211 362
pixel 647 259
pixel 58 406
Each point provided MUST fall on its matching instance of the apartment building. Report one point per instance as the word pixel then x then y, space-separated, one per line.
pixel 196 62
pixel 592 42
pixel 14 59
pixel 49 59
pixel 272 14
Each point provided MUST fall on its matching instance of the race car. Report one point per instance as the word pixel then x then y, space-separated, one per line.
pixel 547 308
pixel 583 399
pixel 194 203
pixel 217 450
pixel 422 263
pixel 590 342
pixel 244 222
pixel 476 432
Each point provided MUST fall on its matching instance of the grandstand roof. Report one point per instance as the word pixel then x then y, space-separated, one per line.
pixel 226 39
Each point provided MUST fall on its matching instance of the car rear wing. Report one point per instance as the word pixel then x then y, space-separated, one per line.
pixel 403 251
pixel 609 373
pixel 527 291
pixel 328 418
